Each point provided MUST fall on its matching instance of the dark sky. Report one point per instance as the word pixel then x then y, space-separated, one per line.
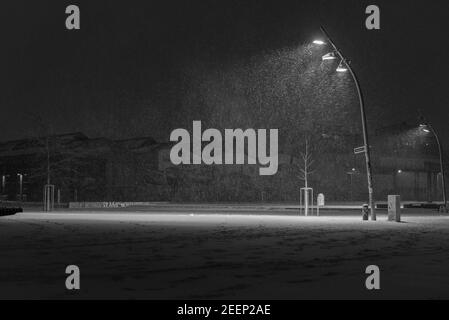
pixel 118 76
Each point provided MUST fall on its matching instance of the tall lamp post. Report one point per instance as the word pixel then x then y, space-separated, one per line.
pixel 427 127
pixel 343 67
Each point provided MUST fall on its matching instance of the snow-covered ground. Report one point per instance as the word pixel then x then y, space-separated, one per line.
pixel 231 256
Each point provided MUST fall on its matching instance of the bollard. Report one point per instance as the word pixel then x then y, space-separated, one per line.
pixel 319 203
pixel 365 212
pixel 394 208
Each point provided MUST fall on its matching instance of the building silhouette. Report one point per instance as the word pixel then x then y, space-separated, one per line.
pixel 405 162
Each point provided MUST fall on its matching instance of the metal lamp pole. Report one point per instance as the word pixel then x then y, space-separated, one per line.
pixel 440 150
pixel 364 125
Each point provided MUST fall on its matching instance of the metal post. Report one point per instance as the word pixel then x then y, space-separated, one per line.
pixel 3 183
pixel 440 150
pixel 49 197
pixel 364 126
pixel 20 185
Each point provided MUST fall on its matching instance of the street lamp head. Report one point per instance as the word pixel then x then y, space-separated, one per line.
pixel 319 42
pixel 424 127
pixel 329 56
pixel 341 67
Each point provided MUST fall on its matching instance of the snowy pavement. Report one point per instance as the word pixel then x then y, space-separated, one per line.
pixel 189 255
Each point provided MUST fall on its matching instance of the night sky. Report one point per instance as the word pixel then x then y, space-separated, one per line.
pixel 119 75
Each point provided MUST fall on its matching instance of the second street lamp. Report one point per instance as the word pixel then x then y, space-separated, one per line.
pixel 343 67
pixel 427 127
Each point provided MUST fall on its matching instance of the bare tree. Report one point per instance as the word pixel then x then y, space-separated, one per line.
pixel 56 160
pixel 306 165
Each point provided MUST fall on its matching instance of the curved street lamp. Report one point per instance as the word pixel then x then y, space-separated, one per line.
pixel 343 67
pixel 427 127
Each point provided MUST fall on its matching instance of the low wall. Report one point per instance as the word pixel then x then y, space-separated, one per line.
pixel 109 204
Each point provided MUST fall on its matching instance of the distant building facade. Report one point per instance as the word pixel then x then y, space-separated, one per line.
pixel 82 169
pixel 405 162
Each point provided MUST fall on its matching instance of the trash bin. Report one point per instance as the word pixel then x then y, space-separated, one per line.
pixel 365 211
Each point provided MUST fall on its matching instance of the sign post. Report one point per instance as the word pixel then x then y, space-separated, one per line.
pixel 359 150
